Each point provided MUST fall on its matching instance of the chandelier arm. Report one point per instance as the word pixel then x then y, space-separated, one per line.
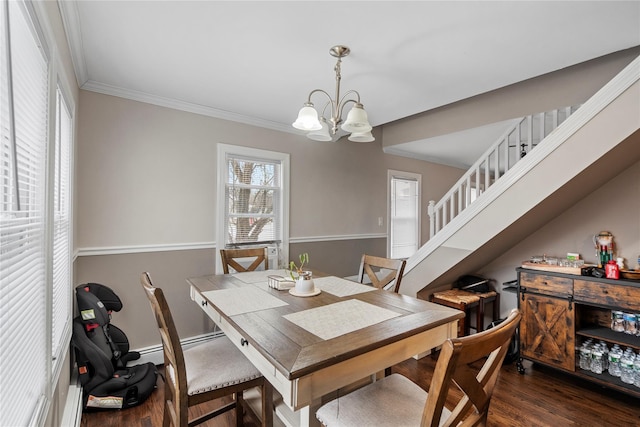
pixel 343 102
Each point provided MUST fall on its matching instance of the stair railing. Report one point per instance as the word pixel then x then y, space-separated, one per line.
pixel 495 162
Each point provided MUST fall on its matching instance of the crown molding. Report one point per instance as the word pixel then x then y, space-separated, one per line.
pixel 189 107
pixel 71 24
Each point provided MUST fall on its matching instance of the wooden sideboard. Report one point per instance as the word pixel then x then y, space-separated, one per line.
pixel 561 311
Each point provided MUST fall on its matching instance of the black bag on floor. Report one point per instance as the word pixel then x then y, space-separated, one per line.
pixel 102 353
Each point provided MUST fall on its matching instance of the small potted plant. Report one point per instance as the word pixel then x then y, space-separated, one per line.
pixel 296 271
pixel 302 277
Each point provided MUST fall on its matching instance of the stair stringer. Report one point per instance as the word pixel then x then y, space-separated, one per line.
pixel 603 122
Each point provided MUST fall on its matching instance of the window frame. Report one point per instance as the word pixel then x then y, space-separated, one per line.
pixel 224 150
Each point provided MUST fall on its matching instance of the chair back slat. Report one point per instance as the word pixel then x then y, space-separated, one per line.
pixel 175 371
pixel 376 267
pixel 472 364
pixel 230 256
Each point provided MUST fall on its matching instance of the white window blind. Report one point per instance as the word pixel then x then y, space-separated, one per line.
pixel 252 200
pixel 23 332
pixel 61 207
pixel 404 216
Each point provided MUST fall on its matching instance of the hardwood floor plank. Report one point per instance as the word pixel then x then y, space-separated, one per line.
pixel 542 397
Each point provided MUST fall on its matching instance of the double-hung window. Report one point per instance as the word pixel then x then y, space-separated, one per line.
pixel 252 199
pixel 404 213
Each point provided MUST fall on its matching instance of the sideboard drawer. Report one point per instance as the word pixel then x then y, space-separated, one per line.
pixel 546 285
pixel 619 296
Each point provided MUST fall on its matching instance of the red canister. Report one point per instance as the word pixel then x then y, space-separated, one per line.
pixel 612 270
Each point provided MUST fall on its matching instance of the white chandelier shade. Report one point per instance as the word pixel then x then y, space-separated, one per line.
pixel 307 119
pixel 321 134
pixel 361 137
pixel 321 128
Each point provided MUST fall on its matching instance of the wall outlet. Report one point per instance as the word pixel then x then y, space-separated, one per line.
pixel 380 221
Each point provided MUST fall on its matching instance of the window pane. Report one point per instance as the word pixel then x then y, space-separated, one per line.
pixel 404 217
pixel 252 193
pixel 23 335
pixel 61 312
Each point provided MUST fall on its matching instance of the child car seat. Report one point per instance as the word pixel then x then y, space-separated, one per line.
pixel 98 327
pixel 102 353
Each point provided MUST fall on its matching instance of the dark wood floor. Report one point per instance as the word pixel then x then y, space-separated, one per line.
pixel 540 397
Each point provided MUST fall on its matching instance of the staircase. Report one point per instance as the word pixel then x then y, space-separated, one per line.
pixel 494 204
pixel 516 142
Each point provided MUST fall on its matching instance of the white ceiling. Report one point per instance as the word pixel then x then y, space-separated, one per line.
pixel 256 61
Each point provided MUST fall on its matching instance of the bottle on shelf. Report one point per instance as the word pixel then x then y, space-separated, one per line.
pixel 605 355
pixel 585 356
pixel 636 372
pixel 626 367
pixel 596 359
pixel 614 360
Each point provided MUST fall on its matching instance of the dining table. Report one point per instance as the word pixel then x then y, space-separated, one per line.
pixel 319 346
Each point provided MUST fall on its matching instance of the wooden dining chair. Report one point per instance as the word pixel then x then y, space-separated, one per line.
pixel 230 256
pixel 387 401
pixel 204 372
pixel 381 271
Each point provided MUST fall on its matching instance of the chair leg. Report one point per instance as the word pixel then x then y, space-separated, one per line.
pixel 267 404
pixel 480 316
pixel 239 410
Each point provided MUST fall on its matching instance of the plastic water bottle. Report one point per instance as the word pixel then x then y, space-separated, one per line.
pixel 614 360
pixel 605 355
pixel 636 372
pixel 626 367
pixel 585 356
pixel 596 359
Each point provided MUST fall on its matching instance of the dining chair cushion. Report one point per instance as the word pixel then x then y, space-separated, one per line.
pixel 203 375
pixel 392 401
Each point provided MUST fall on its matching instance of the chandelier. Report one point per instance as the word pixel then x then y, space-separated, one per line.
pixel 323 127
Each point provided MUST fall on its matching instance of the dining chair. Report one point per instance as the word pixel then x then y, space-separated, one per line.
pixel 204 372
pixel 230 256
pixel 395 400
pixel 381 271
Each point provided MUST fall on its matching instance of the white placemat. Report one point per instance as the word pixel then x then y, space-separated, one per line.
pixel 337 319
pixel 242 300
pixel 341 287
pixel 260 275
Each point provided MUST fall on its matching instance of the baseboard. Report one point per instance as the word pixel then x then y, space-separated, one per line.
pixel 154 354
pixel 72 412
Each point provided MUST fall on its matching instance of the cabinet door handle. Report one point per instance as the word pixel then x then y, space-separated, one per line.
pixel 570 298
pixel 243 342
pixel 203 303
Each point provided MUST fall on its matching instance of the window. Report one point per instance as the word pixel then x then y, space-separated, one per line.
pixel 253 199
pixel 404 214
pixel 35 174
pixel 61 215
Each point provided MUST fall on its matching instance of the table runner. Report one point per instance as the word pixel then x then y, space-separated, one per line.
pixel 242 300
pixel 337 319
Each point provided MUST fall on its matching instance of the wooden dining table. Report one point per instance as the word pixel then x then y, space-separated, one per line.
pixel 315 348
